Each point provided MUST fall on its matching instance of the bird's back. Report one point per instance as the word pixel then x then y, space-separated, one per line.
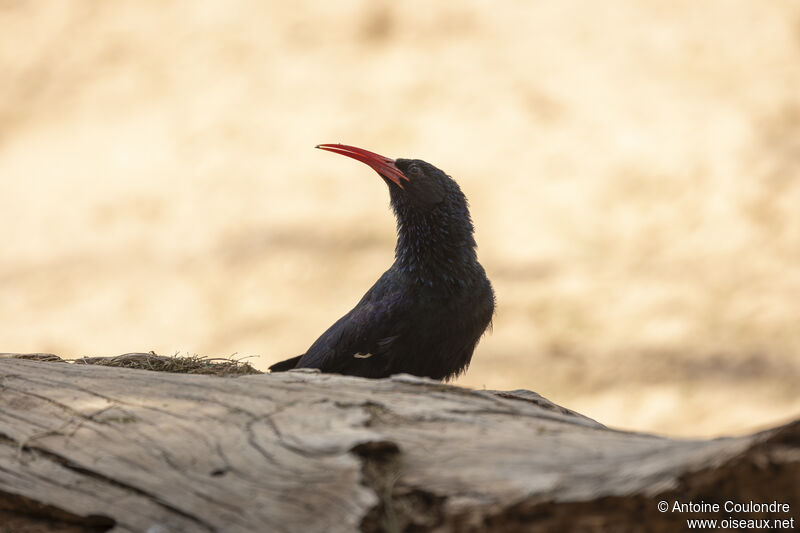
pixel 402 326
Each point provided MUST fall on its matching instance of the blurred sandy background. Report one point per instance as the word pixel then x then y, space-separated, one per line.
pixel 633 170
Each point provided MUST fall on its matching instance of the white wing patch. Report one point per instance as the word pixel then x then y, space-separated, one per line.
pixel 362 355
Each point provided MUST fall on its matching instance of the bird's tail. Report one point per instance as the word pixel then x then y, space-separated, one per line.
pixel 283 366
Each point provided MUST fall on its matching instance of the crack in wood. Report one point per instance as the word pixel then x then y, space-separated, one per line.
pixel 399 508
pixel 67 463
pixel 19 513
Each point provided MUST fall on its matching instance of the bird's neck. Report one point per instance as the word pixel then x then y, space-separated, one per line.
pixel 435 251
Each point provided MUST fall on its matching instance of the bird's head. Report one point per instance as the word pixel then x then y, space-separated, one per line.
pixel 435 232
pixel 413 183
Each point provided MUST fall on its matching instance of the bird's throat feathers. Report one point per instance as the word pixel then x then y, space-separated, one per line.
pixel 435 244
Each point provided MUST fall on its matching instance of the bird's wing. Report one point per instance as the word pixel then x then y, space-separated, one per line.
pixel 366 332
pixel 285 365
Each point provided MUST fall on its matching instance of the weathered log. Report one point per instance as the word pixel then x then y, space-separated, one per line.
pixel 85 448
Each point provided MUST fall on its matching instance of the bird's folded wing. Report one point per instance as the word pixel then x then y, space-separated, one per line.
pixel 369 328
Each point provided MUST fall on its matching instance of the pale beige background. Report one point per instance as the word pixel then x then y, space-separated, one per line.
pixel 633 170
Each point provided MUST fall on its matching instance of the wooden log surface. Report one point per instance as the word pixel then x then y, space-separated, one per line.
pixel 86 448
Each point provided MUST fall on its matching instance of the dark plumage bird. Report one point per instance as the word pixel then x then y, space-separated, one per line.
pixel 425 314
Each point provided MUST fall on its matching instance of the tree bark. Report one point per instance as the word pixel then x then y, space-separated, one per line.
pixel 86 448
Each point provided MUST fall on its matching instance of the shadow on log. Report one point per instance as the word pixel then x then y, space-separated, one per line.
pixel 87 448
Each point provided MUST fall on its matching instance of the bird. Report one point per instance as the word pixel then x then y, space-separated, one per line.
pixel 426 313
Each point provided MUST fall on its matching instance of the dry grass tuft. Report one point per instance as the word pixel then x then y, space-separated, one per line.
pixel 188 364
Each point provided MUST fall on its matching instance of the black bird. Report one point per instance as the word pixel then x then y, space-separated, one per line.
pixel 425 314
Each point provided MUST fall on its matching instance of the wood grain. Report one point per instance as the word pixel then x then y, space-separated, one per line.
pixel 132 450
